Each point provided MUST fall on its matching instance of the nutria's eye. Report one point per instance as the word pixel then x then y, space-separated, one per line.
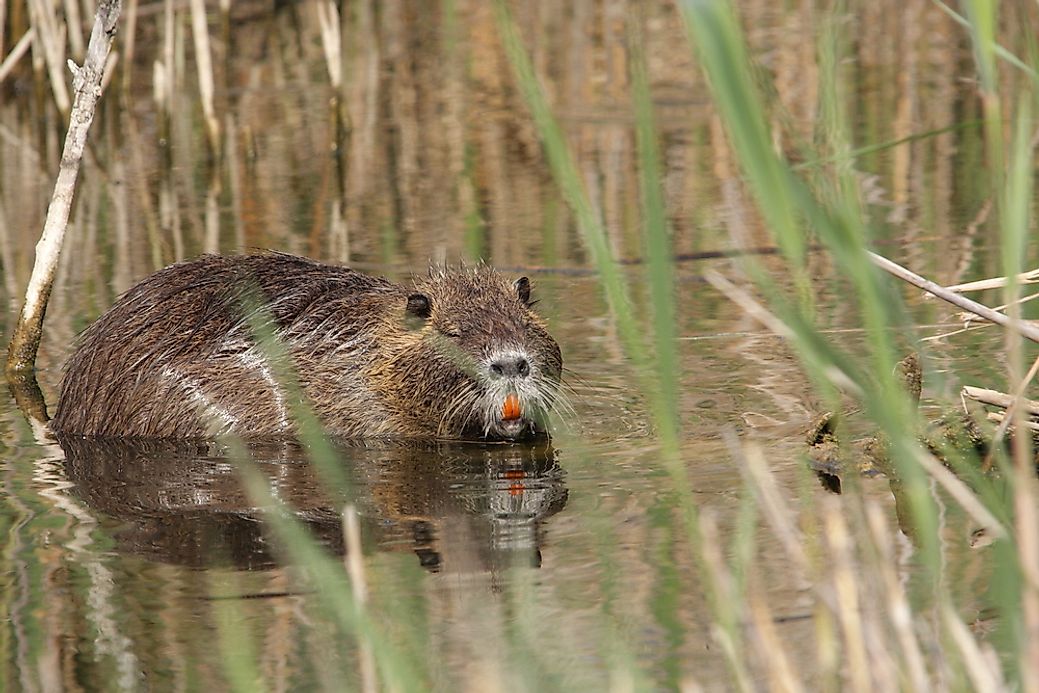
pixel 522 286
pixel 419 306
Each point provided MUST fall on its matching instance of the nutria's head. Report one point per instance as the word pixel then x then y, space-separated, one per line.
pixel 475 357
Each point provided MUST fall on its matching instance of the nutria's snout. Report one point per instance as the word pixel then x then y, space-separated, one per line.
pixel 519 395
pixel 510 366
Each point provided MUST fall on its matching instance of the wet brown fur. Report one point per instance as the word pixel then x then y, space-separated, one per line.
pixel 175 358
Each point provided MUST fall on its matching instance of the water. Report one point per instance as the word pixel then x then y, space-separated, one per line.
pixel 144 565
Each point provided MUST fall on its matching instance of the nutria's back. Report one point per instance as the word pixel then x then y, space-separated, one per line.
pixel 459 354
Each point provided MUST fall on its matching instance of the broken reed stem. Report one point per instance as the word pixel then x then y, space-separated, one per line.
pixel 1004 421
pixel 1027 330
pixel 999 399
pixel 21 354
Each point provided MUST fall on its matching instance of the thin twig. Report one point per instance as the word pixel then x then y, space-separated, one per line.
pixel 1030 277
pixel 1025 329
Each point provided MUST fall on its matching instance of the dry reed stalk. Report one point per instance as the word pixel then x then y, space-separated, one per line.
pixel 354 560
pixel 204 63
pixel 21 355
pixel 1025 518
pixel 759 478
pixel 331 43
pixel 7 258
pixel 165 78
pixel 145 210
pixel 999 399
pixel 845 586
pixel 211 242
pixel 959 491
pixel 122 274
pixel 129 44
pixel 980 661
pixel 1030 277
pixel 234 176
pixel 777 663
pixel 968 318
pixel 1005 422
pixel 74 28
pixel 723 598
pixel 19 49
pixel 1025 329
pixel 52 42
pixel 169 214
pixel 754 309
pixel 898 610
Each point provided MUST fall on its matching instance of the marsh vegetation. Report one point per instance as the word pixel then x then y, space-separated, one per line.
pixel 692 190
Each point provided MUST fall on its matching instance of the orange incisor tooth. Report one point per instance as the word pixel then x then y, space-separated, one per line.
pixel 510 411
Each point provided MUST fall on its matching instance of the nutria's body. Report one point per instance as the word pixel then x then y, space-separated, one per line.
pixel 176 357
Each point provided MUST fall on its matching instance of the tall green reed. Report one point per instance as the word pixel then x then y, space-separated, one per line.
pixel 829 208
pixel 827 204
pixel 327 576
pixel 790 209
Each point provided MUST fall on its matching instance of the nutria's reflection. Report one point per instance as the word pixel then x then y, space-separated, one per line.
pixel 183 503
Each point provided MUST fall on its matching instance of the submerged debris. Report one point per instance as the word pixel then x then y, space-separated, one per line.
pixel 866 456
pixel 969 430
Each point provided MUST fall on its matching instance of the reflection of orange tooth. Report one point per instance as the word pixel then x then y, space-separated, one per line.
pixel 510 411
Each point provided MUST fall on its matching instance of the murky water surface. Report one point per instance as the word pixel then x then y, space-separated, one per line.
pixel 123 564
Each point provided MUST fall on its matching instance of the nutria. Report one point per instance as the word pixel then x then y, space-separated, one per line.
pixel 460 354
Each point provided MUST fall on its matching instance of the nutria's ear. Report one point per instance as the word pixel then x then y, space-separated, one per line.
pixel 419 306
pixel 522 286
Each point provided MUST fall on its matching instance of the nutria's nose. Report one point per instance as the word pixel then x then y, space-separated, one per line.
pixel 510 367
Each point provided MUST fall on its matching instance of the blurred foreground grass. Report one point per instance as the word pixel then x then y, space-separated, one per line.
pixel 873 630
